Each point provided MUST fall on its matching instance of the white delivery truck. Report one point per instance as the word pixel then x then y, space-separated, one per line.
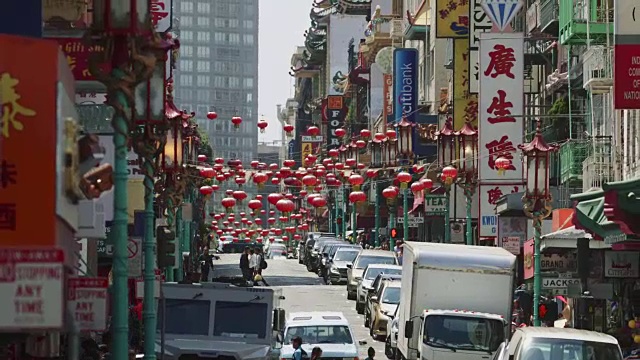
pixel 218 321
pixel 455 301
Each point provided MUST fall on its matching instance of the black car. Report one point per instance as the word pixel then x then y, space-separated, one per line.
pixel 324 254
pixel 328 258
pixel 315 259
pixel 236 248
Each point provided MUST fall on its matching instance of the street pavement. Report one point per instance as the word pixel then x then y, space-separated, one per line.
pixel 305 291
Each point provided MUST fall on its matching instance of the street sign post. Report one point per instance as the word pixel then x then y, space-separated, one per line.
pixel 88 302
pixel 134 252
pixel 414 221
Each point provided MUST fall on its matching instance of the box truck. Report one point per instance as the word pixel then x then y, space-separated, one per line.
pixel 455 301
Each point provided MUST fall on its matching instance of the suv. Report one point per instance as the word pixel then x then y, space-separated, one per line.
pixel 378 283
pixel 338 263
pixel 369 275
pixel 314 256
pixel 366 257
pixel 329 330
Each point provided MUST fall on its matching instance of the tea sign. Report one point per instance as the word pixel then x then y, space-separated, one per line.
pixel 435 205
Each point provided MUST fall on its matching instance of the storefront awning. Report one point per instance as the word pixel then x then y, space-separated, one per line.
pixel 566 239
pixel 511 204
pixel 418 24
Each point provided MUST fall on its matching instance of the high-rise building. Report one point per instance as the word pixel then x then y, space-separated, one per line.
pixel 218 71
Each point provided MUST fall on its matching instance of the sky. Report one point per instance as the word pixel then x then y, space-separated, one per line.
pixel 282 27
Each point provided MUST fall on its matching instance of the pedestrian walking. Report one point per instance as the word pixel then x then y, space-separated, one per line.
pixel 262 264
pixel 244 265
pixel 316 353
pixel 298 352
pixel 253 261
pixel 206 264
pixel 371 352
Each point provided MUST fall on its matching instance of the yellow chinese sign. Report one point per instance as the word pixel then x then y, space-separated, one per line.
pixel 465 105
pixel 11 109
pixel 452 19
pixel 307 149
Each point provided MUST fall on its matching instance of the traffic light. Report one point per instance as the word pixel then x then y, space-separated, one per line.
pixel 548 310
pixel 166 247
pixel 393 233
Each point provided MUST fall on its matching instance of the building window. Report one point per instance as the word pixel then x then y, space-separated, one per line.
pixel 186 65
pixel 233 9
pixel 202 66
pixel 248 113
pixel 186 35
pixel 204 8
pixel 204 52
pixel 247 39
pixel 186 50
pixel 219 82
pixel 234 82
pixel 247 24
pixel 249 10
pixel 247 142
pixel 249 98
pixel 186 80
pixel 233 23
pixel 248 83
pixel 203 21
pixel 203 96
pixel 186 7
pixel 218 38
pixel 222 8
pixel 229 53
pixel 186 21
pixel 203 81
pixel 234 38
pixel 204 36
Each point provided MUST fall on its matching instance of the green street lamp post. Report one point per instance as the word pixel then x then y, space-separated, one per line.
pixel 404 131
pixel 468 145
pixel 124 29
pixel 375 145
pixel 537 203
pixel 446 156
pixel 404 178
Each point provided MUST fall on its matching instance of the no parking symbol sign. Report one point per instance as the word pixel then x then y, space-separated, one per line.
pixel 134 253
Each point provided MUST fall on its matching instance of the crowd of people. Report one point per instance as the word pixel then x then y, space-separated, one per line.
pixel 252 262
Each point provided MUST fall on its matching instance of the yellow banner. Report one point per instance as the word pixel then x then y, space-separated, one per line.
pixel 465 105
pixel 307 149
pixel 452 19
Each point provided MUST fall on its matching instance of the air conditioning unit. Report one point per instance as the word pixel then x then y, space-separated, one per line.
pixel 397 28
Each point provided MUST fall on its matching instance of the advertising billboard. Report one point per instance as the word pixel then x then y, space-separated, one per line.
pixel 452 19
pixel 465 104
pixel 501 105
pixel 405 84
pixel 334 113
pixel 342 29
pixel 489 196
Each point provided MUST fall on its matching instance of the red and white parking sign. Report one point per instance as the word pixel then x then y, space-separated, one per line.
pixel 88 302
pixel 31 289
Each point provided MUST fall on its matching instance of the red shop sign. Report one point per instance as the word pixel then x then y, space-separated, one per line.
pixel 626 78
pixel 78 54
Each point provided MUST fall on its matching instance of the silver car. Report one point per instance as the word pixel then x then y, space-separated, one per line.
pixel 369 275
pixel 365 258
pixel 338 264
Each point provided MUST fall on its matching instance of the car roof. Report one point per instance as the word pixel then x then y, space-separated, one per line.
pixel 567 333
pixel 389 276
pixel 383 253
pixel 309 318
pixel 350 247
pixel 392 283
pixel 384 266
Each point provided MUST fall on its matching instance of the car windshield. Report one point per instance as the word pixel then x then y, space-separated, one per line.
pixel 566 349
pixel 364 261
pixel 336 334
pixel 346 255
pixel 391 295
pixel 459 332
pixel 373 272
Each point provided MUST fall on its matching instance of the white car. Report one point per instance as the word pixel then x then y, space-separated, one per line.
pixel 391 343
pixel 369 275
pixel 329 330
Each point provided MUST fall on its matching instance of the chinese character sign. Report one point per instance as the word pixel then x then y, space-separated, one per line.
pixel 161 14
pixel 78 55
pixel 452 18
pixel 489 196
pixel 501 105
pixel 465 105
pixel 28 108
pixel 479 22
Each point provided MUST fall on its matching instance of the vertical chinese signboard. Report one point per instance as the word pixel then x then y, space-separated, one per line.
pixel 335 113
pixel 489 196
pixel 28 103
pixel 626 63
pixel 387 94
pixel 162 14
pixel 501 105
pixel 88 302
pixel 479 23
pixel 32 289
pixel 452 18
pixel 465 104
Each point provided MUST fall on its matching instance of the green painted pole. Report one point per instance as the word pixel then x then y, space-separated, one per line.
pixel 392 224
pixel 149 275
pixel 537 276
pixel 447 225
pixel 179 248
pixel 405 214
pixel 120 301
pixel 354 220
pixel 377 212
pixel 469 234
pixel 344 214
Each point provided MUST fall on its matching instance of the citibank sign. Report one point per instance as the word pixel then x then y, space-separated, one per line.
pixel 405 84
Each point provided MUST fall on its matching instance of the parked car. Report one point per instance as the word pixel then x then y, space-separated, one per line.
pixel 542 343
pixel 378 283
pixel 369 275
pixel 315 256
pixel 383 305
pixel 277 251
pixel 327 260
pixel 391 343
pixel 236 248
pixel 338 264
pixel 366 257
pixel 329 330
pixel 324 253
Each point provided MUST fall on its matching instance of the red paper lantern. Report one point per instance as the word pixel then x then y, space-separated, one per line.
pixel 416 187
pixel 202 158
pixel 334 153
pixel 390 192
pixel 254 205
pixel 206 190
pixel 427 183
pixel 288 128
pixel 212 115
pixel 236 121
pixel 379 136
pixel 228 204
pixel 219 161
pixel 240 180
pixel 309 180
pixel 273 198
pixel 285 205
pixel 449 174
pixel 371 173
pixel 357 196
pixel 356 180
pixel 271 220
pixel 502 164
pixel 361 144
pixel 318 201
pixel 340 132
pixel 313 130
pixel 259 179
pixel 403 177
pixel 365 133
pixel 391 134
pixel 262 125
pixel 239 195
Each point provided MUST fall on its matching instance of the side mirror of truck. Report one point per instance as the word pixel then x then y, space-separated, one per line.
pixel 408 329
pixel 278 319
pixel 374 299
pixel 349 266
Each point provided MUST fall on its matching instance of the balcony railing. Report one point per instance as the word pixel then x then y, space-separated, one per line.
pixel 572 154
pixel 597 69
pixel 598 170
pixel 95 119
pixel 549 17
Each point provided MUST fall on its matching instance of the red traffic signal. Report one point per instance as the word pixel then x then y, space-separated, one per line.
pixel 393 233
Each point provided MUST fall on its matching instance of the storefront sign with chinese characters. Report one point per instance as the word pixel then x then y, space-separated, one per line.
pixel 489 196
pixel 621 264
pixel 32 289
pixel 452 18
pixel 78 55
pixel 512 227
pixel 334 114
pixel 88 302
pixel 387 94
pixel 161 14
pixel 465 104
pixel 479 23
pixel 501 105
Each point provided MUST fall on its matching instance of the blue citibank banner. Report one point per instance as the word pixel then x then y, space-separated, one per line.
pixel 405 84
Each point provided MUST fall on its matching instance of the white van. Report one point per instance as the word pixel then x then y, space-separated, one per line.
pixel 329 330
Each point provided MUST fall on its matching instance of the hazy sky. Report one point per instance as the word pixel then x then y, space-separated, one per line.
pixel 282 27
